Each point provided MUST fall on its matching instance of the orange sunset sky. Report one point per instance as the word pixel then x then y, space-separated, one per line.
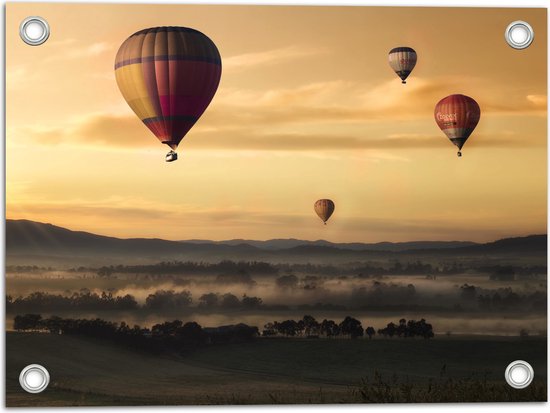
pixel 307 108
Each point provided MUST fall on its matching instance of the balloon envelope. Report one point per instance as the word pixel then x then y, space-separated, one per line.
pixel 324 208
pixel 402 60
pixel 457 116
pixel 168 76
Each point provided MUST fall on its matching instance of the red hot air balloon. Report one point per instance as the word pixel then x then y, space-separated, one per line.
pixel 457 116
pixel 324 208
pixel 168 76
pixel 402 60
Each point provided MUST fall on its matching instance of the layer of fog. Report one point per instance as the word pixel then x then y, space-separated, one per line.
pixel 443 301
pixel 349 291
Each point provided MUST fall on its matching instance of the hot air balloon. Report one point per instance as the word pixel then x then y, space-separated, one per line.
pixel 168 76
pixel 324 208
pixel 402 61
pixel 457 116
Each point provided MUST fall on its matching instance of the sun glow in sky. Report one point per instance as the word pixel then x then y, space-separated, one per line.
pixel 307 108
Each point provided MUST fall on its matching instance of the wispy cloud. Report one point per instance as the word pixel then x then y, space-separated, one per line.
pixel 306 118
pixel 270 57
pixel 127 132
pixel 539 101
pixel 81 51
pixel 97 129
pixel 19 76
pixel 343 101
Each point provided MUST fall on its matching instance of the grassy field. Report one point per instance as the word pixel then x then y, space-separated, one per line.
pixel 90 372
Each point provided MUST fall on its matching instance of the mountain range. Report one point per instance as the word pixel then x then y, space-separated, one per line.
pixel 281 244
pixel 30 242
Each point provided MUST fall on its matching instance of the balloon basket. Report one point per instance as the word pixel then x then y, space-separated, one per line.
pixel 171 156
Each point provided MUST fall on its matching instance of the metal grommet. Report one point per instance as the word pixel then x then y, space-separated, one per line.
pixel 519 34
pixel 34 378
pixel 34 30
pixel 519 374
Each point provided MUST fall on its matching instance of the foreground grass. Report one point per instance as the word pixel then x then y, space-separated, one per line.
pixel 445 390
pixel 88 372
pixel 347 362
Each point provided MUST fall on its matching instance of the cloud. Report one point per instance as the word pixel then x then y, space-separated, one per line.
pixel 332 115
pixel 515 105
pixel 539 101
pixel 269 57
pixel 80 51
pixel 98 130
pixel 128 132
pixel 63 42
pixel 305 142
pixel 352 102
pixel 19 76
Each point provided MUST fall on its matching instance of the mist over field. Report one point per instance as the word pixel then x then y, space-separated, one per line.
pixel 461 288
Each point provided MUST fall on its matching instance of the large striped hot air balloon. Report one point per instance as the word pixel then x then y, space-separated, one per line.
pixel 457 116
pixel 402 61
pixel 168 76
pixel 324 208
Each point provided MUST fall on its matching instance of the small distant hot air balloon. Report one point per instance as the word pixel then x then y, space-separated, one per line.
pixel 324 208
pixel 457 116
pixel 402 61
pixel 168 76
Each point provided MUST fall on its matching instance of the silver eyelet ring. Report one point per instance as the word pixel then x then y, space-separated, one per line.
pixel 34 378
pixel 519 34
pixel 519 374
pixel 34 30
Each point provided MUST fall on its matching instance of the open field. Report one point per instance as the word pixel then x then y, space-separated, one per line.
pixel 91 372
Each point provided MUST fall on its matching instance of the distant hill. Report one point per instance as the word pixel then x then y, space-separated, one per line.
pixel 31 238
pixel 29 242
pixel 281 244
pixel 529 244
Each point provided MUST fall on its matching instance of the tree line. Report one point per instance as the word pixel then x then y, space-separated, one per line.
pixel 21 269
pixel 350 327
pixel 177 334
pixel 157 301
pixel 380 295
pixel 185 267
pixel 502 299
pixel 363 270
pixel 167 336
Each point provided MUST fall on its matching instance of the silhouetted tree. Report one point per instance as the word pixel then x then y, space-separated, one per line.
pixel 352 327
pixel 191 333
pixel 251 303
pixel 209 300
pixel 287 328
pixel 27 322
pixel 168 300
pixel 269 330
pixel 168 328
pixel 370 332
pixel 311 326
pixel 230 301
pixel 329 328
